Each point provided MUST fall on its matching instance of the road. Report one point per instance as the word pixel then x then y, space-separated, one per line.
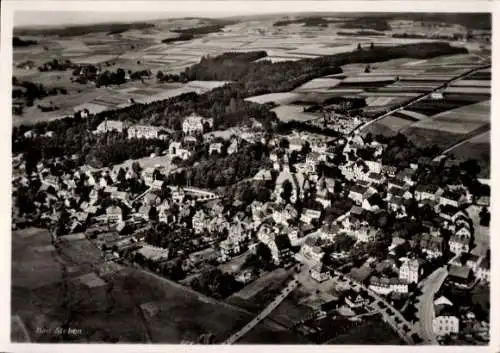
pixel 19 322
pixel 425 305
pixel 389 313
pixel 459 144
pixel 414 100
pixel 273 305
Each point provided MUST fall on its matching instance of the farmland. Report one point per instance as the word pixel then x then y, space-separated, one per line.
pixel 46 293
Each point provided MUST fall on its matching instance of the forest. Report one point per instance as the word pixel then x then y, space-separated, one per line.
pixel 80 30
pixel 19 42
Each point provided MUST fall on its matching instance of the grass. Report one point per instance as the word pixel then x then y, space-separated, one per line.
pixel 42 296
pixel 370 333
pixel 293 112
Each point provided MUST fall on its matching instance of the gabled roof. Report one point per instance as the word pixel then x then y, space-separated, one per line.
pixel 358 189
pixel 430 188
pixel 397 181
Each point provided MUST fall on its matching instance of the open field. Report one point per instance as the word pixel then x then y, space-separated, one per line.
pixel 277 98
pixel 130 306
pixel 371 332
pixel 293 112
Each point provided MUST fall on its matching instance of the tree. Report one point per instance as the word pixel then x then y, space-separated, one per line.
pixel 136 167
pixel 359 46
pixel 367 69
pixel 372 46
pixel 287 190
pixel 160 76
pixel 484 217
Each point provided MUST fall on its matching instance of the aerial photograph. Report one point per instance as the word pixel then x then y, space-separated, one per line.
pixel 301 178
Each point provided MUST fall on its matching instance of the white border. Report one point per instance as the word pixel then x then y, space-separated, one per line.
pixel 200 8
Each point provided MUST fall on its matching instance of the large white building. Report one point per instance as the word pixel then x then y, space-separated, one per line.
pixel 146 132
pixel 410 270
pixel 196 124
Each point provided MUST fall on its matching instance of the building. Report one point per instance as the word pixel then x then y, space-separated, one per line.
pixel 459 244
pixel 396 183
pixel 146 132
pixel 199 221
pixel 431 246
pixel 454 199
pixel 114 214
pixel 375 167
pixel 483 270
pixel 215 147
pixel 196 124
pixel 375 178
pixel 263 175
pixel 426 192
pixel 319 273
pixel 310 216
pixel 460 275
pixel 410 271
pixel 311 251
pixel 110 125
pixel 357 194
pixel 355 300
pixel 445 323
pixel 175 149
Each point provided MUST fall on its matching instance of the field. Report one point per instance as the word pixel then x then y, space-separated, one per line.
pixel 277 98
pixel 371 332
pixel 132 306
pixel 478 148
pixel 293 112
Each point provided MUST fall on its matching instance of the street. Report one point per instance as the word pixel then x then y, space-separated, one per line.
pixel 425 305
pixel 264 313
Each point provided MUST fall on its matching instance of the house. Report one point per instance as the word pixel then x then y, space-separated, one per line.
pixel 110 125
pixel 215 147
pixel 329 231
pixel 319 272
pixel 452 213
pixel 407 176
pixel 451 198
pixel 410 270
pixel 385 286
pixel 460 275
pixel 157 184
pixel 233 147
pixel 199 221
pixel 148 175
pixel 375 178
pixel 375 167
pixel 396 183
pixel 311 251
pixel 355 300
pixel 426 192
pixel 114 214
pixel 371 203
pixel 295 144
pixel 245 276
pixel 310 216
pixel 395 192
pixel 473 262
pixel 93 196
pixel 431 246
pixel 263 175
pixel 196 124
pixel 175 149
pixel 146 132
pixel 445 322
pixel 154 253
pixel 459 244
pixel 152 199
pixel 227 249
pixel 396 204
pixel 483 270
pixel 389 170
pixel 463 231
pixel 357 194
pixel 144 211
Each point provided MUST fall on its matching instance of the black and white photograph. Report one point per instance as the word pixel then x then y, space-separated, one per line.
pixel 232 178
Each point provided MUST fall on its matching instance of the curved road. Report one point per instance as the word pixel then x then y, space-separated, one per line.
pixel 273 305
pixel 425 305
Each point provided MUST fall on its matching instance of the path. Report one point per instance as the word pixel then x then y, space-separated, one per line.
pixel 458 144
pixel 425 305
pixel 22 326
pixel 273 305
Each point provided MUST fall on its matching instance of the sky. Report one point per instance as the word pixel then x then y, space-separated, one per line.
pixel 77 17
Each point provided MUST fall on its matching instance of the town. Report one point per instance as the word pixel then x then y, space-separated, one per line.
pixel 319 227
